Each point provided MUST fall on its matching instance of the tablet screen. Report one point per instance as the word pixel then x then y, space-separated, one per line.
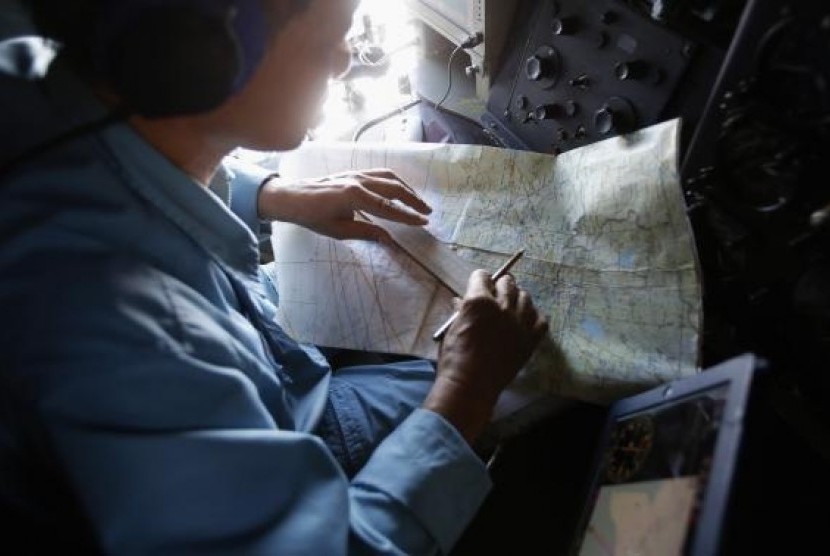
pixel 653 475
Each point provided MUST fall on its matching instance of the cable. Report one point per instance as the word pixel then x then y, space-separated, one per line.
pixel 449 77
pixel 459 115
pixel 470 42
pixel 378 119
pixel 401 109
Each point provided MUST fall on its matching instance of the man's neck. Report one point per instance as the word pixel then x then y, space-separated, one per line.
pixel 186 143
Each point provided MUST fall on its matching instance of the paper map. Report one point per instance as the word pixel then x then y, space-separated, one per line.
pixel 609 257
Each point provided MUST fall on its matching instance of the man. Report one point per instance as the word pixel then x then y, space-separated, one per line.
pixel 150 402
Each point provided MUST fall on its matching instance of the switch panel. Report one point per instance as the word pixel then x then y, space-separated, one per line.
pixel 579 71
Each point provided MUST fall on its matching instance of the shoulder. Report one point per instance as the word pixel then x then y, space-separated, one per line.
pixel 109 339
pixel 59 301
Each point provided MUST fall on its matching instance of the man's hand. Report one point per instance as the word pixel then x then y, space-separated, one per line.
pixel 328 205
pixel 495 333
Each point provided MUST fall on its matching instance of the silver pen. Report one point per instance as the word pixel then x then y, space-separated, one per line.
pixel 503 269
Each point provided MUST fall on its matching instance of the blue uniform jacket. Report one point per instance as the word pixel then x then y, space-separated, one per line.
pixel 142 365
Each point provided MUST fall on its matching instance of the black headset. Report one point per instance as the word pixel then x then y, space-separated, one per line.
pixel 168 58
pixel 177 57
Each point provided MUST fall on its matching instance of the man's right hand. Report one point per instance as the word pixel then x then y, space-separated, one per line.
pixel 495 333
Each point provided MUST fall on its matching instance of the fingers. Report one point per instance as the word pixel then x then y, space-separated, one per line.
pixel 387 183
pixel 540 328
pixel 371 172
pixel 365 200
pixel 395 189
pixel 507 292
pixel 529 317
pixel 510 298
pixel 525 310
pixel 380 173
pixel 480 284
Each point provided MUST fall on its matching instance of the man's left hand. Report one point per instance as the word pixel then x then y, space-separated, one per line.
pixel 329 205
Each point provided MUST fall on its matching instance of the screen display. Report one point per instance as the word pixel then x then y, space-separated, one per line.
pixel 652 477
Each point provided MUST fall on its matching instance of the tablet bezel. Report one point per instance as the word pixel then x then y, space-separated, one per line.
pixel 736 375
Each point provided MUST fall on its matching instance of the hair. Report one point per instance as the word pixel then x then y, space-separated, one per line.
pixel 72 24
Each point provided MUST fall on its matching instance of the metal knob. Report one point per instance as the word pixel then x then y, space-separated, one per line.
pixel 634 69
pixel 615 116
pixel 538 68
pixel 564 25
pixel 548 111
pixel 605 121
pixel 543 67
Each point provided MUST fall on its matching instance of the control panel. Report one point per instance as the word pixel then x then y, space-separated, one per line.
pixel 581 71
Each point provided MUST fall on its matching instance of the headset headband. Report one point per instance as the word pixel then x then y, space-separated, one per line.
pixel 186 46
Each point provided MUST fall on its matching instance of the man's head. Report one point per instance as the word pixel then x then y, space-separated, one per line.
pixel 257 68
pixel 284 96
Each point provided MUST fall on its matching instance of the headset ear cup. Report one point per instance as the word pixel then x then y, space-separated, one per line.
pixel 175 62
